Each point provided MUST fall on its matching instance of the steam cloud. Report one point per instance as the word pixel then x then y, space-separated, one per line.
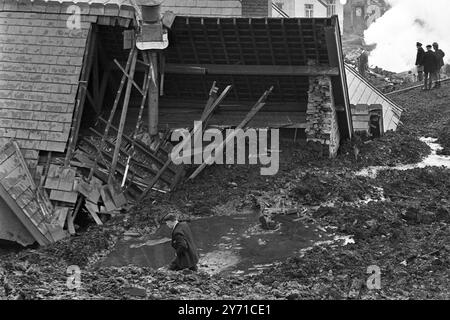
pixel 408 22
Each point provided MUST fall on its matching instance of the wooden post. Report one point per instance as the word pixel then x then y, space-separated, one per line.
pixel 153 95
pixel 112 113
pixel 82 90
pixel 123 117
pixel 147 81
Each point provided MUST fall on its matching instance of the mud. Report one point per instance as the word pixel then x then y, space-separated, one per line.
pixel 235 244
pixel 398 221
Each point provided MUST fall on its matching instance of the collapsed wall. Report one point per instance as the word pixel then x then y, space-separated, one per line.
pixel 321 117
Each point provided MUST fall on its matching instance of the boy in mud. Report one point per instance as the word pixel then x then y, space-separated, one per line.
pixel 183 243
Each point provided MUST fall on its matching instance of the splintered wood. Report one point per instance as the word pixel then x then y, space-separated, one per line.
pixel 30 205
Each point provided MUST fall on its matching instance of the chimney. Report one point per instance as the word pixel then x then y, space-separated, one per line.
pixel 256 8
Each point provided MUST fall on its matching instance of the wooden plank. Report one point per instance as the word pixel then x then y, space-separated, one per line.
pixel 64 196
pixel 88 190
pixel 25 198
pixel 81 94
pixel 19 188
pixel 244 122
pixel 24 219
pixel 130 78
pixel 153 94
pixel 70 224
pixel 120 166
pixel 123 117
pixel 92 208
pixel 138 144
pixel 8 166
pixel 112 113
pixel 337 44
pixel 107 198
pixel 359 109
pixel 266 70
pixel 331 46
pixel 5 152
pixel 14 177
pixel 52 180
pixel 67 179
pixel 60 216
pixel 118 197
pixel 169 161
pixel 147 80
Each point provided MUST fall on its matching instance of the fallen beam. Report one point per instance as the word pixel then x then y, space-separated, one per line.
pixel 261 102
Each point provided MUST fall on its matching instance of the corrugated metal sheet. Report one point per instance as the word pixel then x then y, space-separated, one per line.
pixel 361 92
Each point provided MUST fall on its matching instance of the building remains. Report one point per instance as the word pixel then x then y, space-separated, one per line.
pixel 90 93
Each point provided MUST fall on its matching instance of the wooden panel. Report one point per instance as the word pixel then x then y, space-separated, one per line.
pixel 63 196
pixel 8 166
pixel 19 191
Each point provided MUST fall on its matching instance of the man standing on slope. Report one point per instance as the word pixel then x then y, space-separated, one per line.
pixel 419 61
pixel 440 56
pixel 430 66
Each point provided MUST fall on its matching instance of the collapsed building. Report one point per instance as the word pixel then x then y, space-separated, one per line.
pixel 90 92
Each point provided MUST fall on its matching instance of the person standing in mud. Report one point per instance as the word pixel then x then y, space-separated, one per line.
pixel 440 57
pixel 430 66
pixel 419 61
pixel 183 243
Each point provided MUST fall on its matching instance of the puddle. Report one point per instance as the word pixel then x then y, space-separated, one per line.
pixel 433 160
pixel 227 244
pixel 218 261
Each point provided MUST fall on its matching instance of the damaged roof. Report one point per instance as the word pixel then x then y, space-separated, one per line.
pixel 40 65
pixel 362 92
pixel 253 54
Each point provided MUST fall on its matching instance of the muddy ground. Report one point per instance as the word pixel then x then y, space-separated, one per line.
pixel 399 222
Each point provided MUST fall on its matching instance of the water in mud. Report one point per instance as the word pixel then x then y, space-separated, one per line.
pixel 234 244
pixel 433 160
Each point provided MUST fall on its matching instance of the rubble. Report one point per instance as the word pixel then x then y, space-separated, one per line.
pixel 114 184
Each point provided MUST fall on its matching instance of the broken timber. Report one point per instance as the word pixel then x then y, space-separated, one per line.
pixel 205 117
pixel 29 203
pixel 261 102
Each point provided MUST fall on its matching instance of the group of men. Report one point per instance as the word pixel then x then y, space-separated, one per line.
pixel 429 64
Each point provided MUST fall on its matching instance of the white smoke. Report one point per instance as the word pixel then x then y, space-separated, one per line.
pixel 408 22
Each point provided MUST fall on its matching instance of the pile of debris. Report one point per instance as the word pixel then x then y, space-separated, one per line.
pixel 105 170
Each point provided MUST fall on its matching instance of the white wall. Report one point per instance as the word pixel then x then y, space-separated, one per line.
pixel 288 7
pixel 296 8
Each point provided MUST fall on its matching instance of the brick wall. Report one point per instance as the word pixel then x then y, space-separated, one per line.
pixel 321 116
pixel 256 8
pixel 216 8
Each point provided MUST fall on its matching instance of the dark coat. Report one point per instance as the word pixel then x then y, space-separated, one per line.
pixel 183 243
pixel 440 56
pixel 419 58
pixel 430 62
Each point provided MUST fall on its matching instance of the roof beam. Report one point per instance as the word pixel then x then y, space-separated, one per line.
pixel 267 70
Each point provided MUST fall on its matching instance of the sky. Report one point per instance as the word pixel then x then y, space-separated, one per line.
pixel 408 22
